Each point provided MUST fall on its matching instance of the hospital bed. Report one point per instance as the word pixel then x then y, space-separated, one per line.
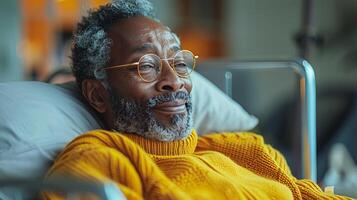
pixel 306 82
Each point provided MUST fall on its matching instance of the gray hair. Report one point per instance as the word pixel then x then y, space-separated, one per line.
pixel 91 45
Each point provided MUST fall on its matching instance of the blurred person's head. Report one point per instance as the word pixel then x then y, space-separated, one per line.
pixel 123 62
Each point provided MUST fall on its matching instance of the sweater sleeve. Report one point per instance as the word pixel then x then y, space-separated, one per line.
pixel 106 156
pixel 244 148
pixel 87 159
pixel 250 151
pixel 308 189
pixel 279 159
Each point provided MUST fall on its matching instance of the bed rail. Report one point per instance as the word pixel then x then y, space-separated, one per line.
pixel 69 186
pixel 307 97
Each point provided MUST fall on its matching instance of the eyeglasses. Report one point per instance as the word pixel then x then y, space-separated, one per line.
pixel 149 65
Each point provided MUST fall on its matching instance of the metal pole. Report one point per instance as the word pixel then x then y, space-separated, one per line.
pixel 306 44
pixel 308 117
pixel 306 38
pixel 66 185
pixel 228 83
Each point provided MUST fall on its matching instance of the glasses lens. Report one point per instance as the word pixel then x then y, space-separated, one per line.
pixel 184 63
pixel 149 67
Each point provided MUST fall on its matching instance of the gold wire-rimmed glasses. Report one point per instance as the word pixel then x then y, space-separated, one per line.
pixel 149 65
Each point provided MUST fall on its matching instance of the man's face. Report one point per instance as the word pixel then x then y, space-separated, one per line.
pixel 160 109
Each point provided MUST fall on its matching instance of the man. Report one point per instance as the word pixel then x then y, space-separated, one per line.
pixel 133 72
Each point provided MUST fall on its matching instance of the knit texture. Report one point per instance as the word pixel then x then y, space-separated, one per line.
pixel 215 166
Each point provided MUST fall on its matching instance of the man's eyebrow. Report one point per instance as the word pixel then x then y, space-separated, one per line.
pixel 176 48
pixel 146 46
pixel 143 48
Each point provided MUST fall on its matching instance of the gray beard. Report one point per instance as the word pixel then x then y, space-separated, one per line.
pixel 132 117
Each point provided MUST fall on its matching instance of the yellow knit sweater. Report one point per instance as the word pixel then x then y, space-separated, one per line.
pixel 215 166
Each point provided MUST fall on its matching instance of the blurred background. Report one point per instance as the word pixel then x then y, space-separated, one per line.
pixel 35 42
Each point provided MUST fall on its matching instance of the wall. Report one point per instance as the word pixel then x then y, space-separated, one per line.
pixel 10 63
pixel 265 30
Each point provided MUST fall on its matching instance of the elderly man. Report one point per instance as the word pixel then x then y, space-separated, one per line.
pixel 132 71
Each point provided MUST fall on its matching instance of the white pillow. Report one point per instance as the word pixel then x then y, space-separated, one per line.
pixel 214 111
pixel 38 119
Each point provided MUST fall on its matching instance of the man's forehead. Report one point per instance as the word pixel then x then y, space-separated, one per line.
pixel 149 38
pixel 141 31
pixel 165 37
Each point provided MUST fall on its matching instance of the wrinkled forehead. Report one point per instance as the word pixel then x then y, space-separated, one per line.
pixel 144 35
pixel 164 36
pixel 160 40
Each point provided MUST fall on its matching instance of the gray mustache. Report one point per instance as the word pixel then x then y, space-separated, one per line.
pixel 172 96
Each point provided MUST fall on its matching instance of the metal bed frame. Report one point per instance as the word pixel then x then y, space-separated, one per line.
pixel 70 186
pixel 307 97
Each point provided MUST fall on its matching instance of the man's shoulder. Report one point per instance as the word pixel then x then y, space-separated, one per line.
pixel 98 137
pixel 232 141
pixel 97 134
pixel 233 136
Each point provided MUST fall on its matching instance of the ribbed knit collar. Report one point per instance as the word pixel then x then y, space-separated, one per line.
pixel 178 147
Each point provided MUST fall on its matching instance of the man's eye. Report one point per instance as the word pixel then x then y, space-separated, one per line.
pixel 181 65
pixel 146 67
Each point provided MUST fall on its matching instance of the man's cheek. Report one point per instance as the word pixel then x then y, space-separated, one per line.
pixel 188 84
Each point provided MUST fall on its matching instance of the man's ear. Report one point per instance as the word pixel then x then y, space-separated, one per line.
pixel 95 94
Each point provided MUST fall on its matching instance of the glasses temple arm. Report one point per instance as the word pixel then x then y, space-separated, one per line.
pixel 119 66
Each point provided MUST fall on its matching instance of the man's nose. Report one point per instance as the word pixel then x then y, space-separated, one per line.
pixel 168 79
